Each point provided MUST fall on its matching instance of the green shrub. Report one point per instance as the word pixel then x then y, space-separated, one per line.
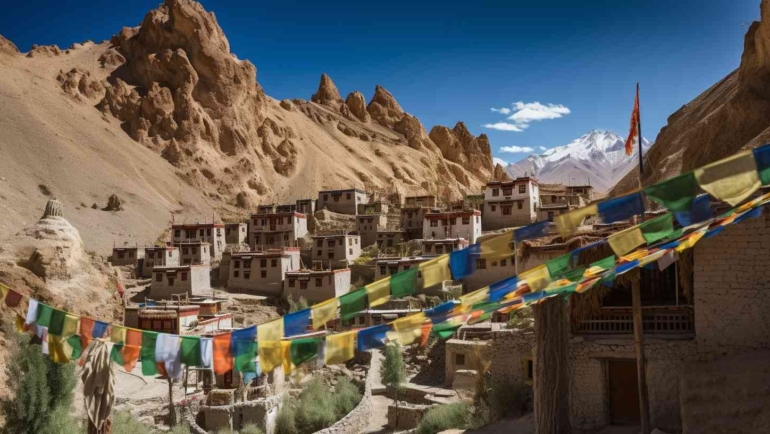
pixel 62 422
pixel 125 423
pixel 393 368
pixel 346 397
pixel 284 423
pixel 297 305
pixel 315 408
pixel 444 417
pixel 250 428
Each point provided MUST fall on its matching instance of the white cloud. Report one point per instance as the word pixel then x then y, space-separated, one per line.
pixel 503 126
pixel 542 148
pixel 516 149
pixel 504 110
pixel 499 161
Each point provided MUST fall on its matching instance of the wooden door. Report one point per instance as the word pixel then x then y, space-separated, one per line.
pixel 623 392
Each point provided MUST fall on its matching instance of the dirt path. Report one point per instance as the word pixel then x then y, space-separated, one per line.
pixel 379 421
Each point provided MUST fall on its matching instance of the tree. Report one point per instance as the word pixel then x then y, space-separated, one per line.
pixel 297 305
pixel 38 387
pixel 551 367
pixel 394 370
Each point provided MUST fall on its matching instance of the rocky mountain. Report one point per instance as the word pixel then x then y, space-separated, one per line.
pixel 167 118
pixel 729 116
pixel 597 158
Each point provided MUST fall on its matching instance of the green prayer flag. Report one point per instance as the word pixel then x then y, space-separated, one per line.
pixel 148 353
pixel 608 280
pixel 352 303
pixel 564 290
pixel 56 326
pixel 658 228
pixel 482 318
pixel 677 193
pixel 606 263
pixel 445 330
pixel 404 283
pixel 575 275
pixel 244 361
pixel 303 350
pixel 77 349
pixel 44 313
pixel 191 351
pixel 117 354
pixel 558 266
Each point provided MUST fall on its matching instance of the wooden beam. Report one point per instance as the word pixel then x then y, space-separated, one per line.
pixel 641 373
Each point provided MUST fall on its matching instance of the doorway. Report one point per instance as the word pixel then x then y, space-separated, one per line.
pixel 623 392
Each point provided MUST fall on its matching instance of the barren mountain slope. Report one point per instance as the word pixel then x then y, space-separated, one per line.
pixel 208 136
pixel 729 116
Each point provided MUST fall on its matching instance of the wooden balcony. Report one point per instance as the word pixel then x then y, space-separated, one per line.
pixel 675 322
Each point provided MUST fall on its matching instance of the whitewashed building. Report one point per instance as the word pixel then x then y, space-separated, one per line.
pixel 454 224
pixel 510 203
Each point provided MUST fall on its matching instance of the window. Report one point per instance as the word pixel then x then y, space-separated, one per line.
pixel 326 197
pixel 158 277
pixel 406 267
pixel 492 208
pixel 319 243
pixel 291 283
pixel 434 223
pixel 481 264
pixel 208 232
pixel 150 255
pixel 319 253
pixel 495 192
pixel 350 241
pixel 530 370
pixel 263 263
pixel 507 192
pixel 550 216
pixel 520 204
pixel 336 198
pixel 522 188
pixel 390 244
pixel 506 210
pixel 303 284
pixel 274 263
pixel 189 234
pixel 331 243
pixel 428 248
pixel 466 220
pixel 331 255
pixel 247 264
pixel 157 324
pixel 460 359
pixel 286 237
pixel 121 255
pixel 350 251
pixel 348 197
pixel 439 249
pixel 382 270
pixel 185 251
pixel 494 263
pixel 502 262
pixel 202 232
pixel 246 275
pixel 237 264
pixel 177 233
pixel 263 274
pixel 319 281
pixel 219 232
pixel 236 273
pixel 130 254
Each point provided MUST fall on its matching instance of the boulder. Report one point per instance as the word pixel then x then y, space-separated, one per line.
pixel 357 106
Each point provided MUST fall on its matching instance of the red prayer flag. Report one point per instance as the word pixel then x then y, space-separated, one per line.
pixel 223 359
pixel 633 132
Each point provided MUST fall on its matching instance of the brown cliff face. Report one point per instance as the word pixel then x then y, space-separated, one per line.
pixel 729 116
pixel 357 105
pixel 384 108
pixel 7 47
pixel 327 94
pixel 462 147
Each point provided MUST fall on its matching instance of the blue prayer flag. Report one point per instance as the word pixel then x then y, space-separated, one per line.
pixel 535 230
pixel 500 289
pixel 533 296
pixel 463 262
pixel 240 339
pixel 762 159
pixel 621 208
pixel 372 337
pixel 99 329
pixel 440 310
pixel 699 211
pixel 622 268
pixel 296 323
pixel 756 212
pixel 714 232
pixel 577 251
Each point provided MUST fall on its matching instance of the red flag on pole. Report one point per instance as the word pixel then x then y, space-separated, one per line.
pixel 633 132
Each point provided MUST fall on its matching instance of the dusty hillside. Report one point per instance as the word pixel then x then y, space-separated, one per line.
pixel 167 118
pixel 729 116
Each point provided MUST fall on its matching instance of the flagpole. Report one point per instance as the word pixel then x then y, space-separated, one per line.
pixel 636 298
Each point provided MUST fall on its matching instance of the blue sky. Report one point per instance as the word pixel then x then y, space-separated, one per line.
pixel 446 61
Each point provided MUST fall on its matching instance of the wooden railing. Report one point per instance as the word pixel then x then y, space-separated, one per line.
pixel 656 320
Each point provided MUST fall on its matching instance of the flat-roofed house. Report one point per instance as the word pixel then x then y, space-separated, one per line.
pixel 212 233
pixel 194 253
pixel 367 226
pixel 276 230
pixel 510 203
pixel 289 207
pixel 440 246
pixel 412 220
pixel 373 208
pixel 236 233
pixel 192 280
pixel 341 201
pixel 424 201
pixel 266 208
pixel 159 257
pixel 453 224
pixel 262 272
pixel 125 255
pixel 336 251
pixel 306 206
pixel 390 239
pixel 317 285
pixel 167 319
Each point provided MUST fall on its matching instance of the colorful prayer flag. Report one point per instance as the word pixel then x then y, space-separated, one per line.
pixel 408 328
pixel 435 271
pixel 372 337
pixel 303 350
pixel 270 331
pixel 500 289
pixel 535 230
pixel 324 312
pixel 340 347
pixel 559 265
pixel 56 326
pixel 44 313
pixel 568 222
pixel 536 278
pixel 296 323
pixel 633 130
pixel 497 247
pixel 378 292
pixel 699 211
pixel 149 340
pixel 626 240
pixel 288 366
pixel 118 334
pixel 404 283
pixel 223 358
pixel 463 262
pixel 191 351
pixel 762 160
pixel 732 180
pixel 659 228
pixel 676 194
pixel 32 309
pixel 244 349
pixel 270 355
pixel 445 330
pixel 207 352
pixel 12 298
pixel 352 303
pixel 621 208
pixel 475 297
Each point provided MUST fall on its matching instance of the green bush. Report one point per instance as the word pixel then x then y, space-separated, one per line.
pixel 125 423
pixel 39 388
pixel 250 428
pixel 393 368
pixel 62 422
pixel 346 397
pixel 444 417
pixel 315 408
pixel 284 423
pixel 297 305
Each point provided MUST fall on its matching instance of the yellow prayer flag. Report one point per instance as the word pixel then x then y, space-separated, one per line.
pixel 324 312
pixel 340 347
pixel 626 240
pixel 288 366
pixel 3 292
pixel 567 223
pixel 652 257
pixel 270 355
pixel 435 271
pixel 732 180
pixel 378 292
pixel 118 334
pixel 59 351
pixel 497 247
pixel 475 297
pixel 71 325
pixel 409 328
pixel 690 241
pixel 271 331
pixel 584 286
pixel 536 278
pixel 20 322
pixel 639 254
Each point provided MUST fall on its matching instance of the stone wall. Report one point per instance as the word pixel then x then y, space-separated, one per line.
pixel 466 350
pixel 262 413
pixel 510 350
pixel 405 415
pixel 357 420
